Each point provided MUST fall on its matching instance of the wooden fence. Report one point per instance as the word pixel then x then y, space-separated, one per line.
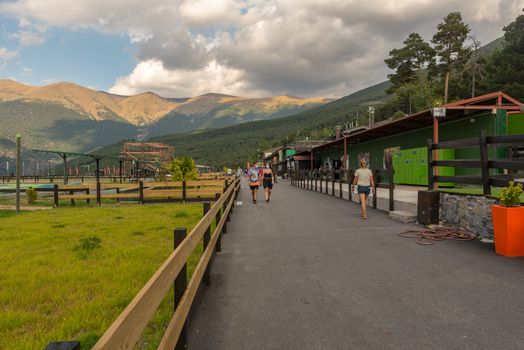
pixel 27 179
pixel 488 167
pixel 319 180
pixel 143 192
pixel 130 324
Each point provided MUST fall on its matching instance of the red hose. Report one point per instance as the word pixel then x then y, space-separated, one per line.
pixel 431 234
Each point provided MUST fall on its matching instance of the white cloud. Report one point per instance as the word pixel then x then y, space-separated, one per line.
pixel 302 47
pixel 151 75
pixel 27 72
pixel 28 38
pixel 6 54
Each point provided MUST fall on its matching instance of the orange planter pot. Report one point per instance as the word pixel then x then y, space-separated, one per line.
pixel 508 223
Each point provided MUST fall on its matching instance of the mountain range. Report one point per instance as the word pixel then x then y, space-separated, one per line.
pixel 70 117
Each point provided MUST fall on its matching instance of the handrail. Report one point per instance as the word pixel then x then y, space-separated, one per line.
pixel 484 163
pixel 128 327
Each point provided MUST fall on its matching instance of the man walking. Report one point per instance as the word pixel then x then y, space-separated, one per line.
pixel 253 177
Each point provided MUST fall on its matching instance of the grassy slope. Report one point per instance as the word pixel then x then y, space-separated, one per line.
pixel 236 144
pixel 52 292
pixel 51 126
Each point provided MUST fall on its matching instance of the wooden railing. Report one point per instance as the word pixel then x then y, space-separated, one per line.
pixel 92 178
pixel 143 192
pixel 127 329
pixel 486 179
pixel 319 180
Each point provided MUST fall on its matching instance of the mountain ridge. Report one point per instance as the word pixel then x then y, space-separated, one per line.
pixel 141 109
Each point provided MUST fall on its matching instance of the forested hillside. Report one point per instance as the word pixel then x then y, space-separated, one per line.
pixel 234 145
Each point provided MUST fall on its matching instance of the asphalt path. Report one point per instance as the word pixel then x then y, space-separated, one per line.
pixel 306 272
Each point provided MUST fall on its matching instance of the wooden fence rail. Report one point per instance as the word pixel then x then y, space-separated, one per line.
pixel 127 329
pixel 488 168
pixel 319 180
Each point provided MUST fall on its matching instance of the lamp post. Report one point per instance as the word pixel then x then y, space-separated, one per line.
pixel 18 166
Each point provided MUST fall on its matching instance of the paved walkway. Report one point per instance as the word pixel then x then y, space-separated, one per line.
pixel 305 272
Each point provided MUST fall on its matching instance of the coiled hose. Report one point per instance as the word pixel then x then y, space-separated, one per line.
pixel 435 233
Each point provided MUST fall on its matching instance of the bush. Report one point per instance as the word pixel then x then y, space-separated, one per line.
pixel 510 196
pixel 32 195
pixel 398 115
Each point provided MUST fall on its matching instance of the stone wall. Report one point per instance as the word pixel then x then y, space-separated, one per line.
pixel 471 213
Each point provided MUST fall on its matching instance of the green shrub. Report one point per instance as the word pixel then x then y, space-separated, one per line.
pixel 398 115
pixel 510 196
pixel 181 214
pixel 87 245
pixel 32 195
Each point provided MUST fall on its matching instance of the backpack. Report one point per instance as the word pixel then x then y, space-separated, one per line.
pixel 253 175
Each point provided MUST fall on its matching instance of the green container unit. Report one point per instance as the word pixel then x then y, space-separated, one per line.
pixel 411 166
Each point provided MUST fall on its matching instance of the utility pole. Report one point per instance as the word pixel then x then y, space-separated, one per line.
pixel 18 166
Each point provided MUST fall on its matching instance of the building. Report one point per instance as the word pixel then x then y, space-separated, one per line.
pixel 280 157
pixel 147 157
pixel 403 142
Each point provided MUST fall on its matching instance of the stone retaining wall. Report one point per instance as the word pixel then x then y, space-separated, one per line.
pixel 471 213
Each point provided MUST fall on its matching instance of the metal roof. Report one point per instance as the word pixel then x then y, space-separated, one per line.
pixel 454 111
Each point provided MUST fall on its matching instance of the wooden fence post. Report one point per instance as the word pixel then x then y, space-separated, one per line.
pixel 72 199
pixel 391 190
pixel 141 192
pixel 98 194
pixel 55 194
pixel 340 183
pixel 224 206
pixel 484 161
pixel 180 286
pixel 207 237
pixel 316 179
pixel 333 182
pixel 184 192
pixel 375 188
pixel 320 181
pixel 327 181
pixel 430 165
pixel 218 216
pixel 88 201
pixel 117 192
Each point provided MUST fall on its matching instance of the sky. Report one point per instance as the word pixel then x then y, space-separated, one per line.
pixel 181 48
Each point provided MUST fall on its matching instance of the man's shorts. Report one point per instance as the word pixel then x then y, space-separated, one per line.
pixel 253 187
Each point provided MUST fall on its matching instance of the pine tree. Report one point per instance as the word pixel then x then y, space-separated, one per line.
pixel 449 44
pixel 409 62
pixel 505 67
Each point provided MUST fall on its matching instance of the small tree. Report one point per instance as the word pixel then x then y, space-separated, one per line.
pixel 32 195
pixel 183 169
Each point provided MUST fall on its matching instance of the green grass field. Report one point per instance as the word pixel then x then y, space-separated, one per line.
pixel 66 274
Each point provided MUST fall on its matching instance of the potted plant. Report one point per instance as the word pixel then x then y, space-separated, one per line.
pixel 508 222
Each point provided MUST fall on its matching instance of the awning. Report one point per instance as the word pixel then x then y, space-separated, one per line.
pixel 295 157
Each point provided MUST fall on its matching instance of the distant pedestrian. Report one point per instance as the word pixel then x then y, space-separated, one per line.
pixel 253 177
pixel 365 184
pixel 268 177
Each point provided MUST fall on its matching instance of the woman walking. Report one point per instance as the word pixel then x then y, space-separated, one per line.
pixel 268 177
pixel 365 183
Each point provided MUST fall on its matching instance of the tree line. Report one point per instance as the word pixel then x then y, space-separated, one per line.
pixel 453 65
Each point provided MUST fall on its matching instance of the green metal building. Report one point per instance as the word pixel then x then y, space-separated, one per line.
pixel 402 143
